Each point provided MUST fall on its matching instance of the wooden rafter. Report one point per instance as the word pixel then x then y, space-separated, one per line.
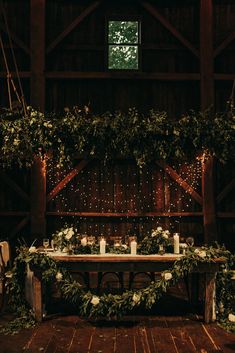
pixel 179 180
pixel 14 213
pixel 66 180
pixel 22 74
pixel 14 186
pixel 224 44
pixel 19 226
pixel 225 191
pixel 16 40
pixel 124 214
pixel 167 76
pixel 73 25
pixel 152 10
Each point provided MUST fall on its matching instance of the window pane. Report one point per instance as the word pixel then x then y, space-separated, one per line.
pixel 121 32
pixel 123 57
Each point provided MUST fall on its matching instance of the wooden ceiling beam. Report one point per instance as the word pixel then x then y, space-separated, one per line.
pixel 152 10
pixel 224 44
pixel 123 214
pixel 22 74
pixel 165 76
pixel 73 25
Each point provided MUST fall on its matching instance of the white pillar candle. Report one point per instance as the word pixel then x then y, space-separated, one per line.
pixel 102 246
pixel 133 247
pixel 176 243
pixel 84 241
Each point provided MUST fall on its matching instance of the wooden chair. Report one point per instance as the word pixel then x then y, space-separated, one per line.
pixel 4 267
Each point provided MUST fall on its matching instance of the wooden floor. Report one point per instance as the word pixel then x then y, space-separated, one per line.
pixel 142 334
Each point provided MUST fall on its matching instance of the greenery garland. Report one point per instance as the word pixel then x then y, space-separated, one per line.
pixel 116 305
pixel 144 138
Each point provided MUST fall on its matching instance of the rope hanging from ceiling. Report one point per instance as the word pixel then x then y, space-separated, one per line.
pixel 10 82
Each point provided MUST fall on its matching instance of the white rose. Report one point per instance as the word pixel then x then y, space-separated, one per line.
pixel 136 298
pixel 66 231
pixel 165 234
pixel 32 249
pixel 60 234
pixel 59 276
pixel 159 229
pixel 202 253
pixel 95 300
pixel 167 276
pixel 231 317
pixel 69 234
pixel 153 233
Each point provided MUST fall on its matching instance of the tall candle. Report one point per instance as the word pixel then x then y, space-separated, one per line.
pixel 133 247
pixel 102 246
pixel 176 243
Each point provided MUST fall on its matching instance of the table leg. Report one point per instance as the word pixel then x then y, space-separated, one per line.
pixel 209 312
pixel 37 298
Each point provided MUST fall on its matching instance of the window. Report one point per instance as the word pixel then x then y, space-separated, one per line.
pixel 123 45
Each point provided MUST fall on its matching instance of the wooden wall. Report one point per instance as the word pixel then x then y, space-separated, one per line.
pixel 187 62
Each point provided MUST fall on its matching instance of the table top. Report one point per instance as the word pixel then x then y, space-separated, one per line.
pixel 119 258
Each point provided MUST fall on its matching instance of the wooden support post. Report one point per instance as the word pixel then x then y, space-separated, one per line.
pixel 37 90
pixel 37 41
pixel 37 298
pixel 209 312
pixel 38 197
pixel 207 100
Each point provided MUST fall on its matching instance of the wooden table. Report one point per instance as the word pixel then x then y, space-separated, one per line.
pixel 128 263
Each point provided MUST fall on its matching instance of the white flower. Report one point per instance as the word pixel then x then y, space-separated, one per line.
pixel 165 234
pixel 66 231
pixel 32 249
pixel 95 300
pixel 60 234
pixel 136 298
pixel 231 317
pixel 167 276
pixel 16 142
pixel 69 234
pixel 59 276
pixel 159 229
pixel 202 253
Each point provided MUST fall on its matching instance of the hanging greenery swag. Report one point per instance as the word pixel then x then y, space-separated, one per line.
pixel 110 305
pixel 106 136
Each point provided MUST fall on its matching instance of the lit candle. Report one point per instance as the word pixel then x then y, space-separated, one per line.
pixel 102 246
pixel 133 247
pixel 84 241
pixel 176 243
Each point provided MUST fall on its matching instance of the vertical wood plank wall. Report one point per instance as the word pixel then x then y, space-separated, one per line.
pixel 186 62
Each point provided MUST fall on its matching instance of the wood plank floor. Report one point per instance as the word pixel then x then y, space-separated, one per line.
pixel 135 334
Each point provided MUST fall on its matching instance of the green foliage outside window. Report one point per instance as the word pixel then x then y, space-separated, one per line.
pixel 123 39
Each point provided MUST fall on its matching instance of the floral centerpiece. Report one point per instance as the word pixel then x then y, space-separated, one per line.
pixel 153 243
pixel 66 238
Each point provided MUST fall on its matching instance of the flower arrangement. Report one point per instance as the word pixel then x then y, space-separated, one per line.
pixel 151 244
pixel 65 238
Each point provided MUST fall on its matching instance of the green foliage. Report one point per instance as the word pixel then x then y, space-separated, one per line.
pixel 145 138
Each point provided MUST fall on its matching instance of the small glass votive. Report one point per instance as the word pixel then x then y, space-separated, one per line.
pixel 90 240
pixel 183 248
pixel 117 241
